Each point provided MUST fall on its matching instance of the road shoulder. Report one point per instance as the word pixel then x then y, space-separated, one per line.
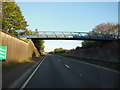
pixel 14 77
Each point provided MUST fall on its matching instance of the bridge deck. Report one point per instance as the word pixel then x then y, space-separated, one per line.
pixel 47 35
pixel 63 38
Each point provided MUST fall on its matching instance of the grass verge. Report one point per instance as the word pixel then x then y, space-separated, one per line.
pixel 13 63
pixel 111 65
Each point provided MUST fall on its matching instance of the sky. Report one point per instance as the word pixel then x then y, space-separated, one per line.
pixel 67 16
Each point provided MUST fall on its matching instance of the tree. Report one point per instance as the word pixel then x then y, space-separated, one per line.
pixel 117 29
pixel 36 32
pixel 107 29
pixel 39 44
pixel 13 21
pixel 60 50
pixel 51 52
pixel 0 16
pixel 88 44
pixel 77 48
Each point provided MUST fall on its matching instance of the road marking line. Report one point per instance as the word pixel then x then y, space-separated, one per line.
pixel 59 60
pixel 100 67
pixel 67 66
pixel 26 82
pixel 80 74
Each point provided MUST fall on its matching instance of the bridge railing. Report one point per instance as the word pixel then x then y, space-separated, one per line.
pixel 57 34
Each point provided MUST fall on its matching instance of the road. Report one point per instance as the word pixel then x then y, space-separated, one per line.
pixel 62 72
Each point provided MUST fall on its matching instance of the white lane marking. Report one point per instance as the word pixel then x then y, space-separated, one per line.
pixel 26 82
pixel 67 66
pixel 80 74
pixel 59 60
pixel 100 67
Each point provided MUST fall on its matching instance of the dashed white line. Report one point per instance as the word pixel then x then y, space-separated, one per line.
pixel 67 66
pixel 59 60
pixel 80 74
pixel 26 82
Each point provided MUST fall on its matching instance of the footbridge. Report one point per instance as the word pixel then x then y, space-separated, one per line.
pixel 56 35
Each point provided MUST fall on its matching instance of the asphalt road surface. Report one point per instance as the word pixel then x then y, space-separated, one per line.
pixel 62 72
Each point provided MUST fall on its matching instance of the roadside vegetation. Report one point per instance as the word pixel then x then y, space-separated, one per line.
pixel 109 30
pixel 13 63
pixel 58 51
pixel 39 44
pixel 13 22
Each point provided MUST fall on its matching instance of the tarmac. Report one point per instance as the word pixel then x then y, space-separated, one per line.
pixel 15 76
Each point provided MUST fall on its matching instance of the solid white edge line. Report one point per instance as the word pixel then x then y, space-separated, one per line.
pixel 101 67
pixel 26 82
pixel 98 66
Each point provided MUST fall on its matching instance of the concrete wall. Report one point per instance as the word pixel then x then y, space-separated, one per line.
pixel 108 52
pixel 18 50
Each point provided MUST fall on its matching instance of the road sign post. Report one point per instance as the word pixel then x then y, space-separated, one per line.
pixel 3 50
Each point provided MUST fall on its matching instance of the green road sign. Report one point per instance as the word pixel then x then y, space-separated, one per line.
pixel 3 52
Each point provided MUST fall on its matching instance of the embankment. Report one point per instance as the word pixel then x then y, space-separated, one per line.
pixel 108 51
pixel 17 49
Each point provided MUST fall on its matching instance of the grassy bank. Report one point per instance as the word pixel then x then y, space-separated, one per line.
pixel 13 63
pixel 111 65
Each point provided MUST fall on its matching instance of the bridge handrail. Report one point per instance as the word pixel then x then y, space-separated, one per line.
pixel 90 35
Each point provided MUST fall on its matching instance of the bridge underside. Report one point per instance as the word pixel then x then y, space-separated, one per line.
pixel 63 38
pixel 48 35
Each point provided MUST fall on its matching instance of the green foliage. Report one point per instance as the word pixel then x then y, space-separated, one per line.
pixel 39 44
pixel 51 52
pixel 36 32
pixel 13 21
pixel 108 29
pixel 77 48
pixel 88 44
pixel 60 50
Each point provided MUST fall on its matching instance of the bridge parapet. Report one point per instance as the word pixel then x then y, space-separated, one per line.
pixel 71 35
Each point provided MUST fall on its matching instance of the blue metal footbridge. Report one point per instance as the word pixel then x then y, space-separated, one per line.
pixel 56 35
